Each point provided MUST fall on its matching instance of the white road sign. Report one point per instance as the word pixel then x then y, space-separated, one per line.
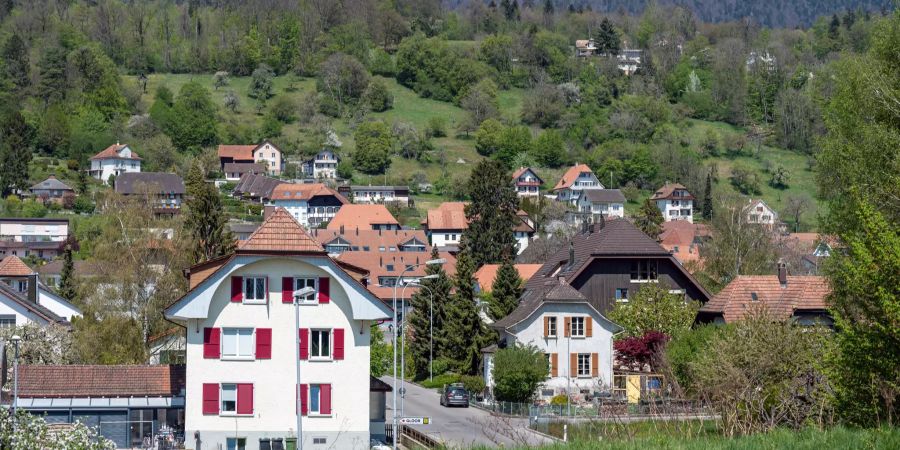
pixel 415 420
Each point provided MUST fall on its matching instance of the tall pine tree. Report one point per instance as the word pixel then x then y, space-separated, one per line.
pixel 67 288
pixel 505 291
pixel 463 333
pixel 436 290
pixel 707 199
pixel 15 151
pixel 649 219
pixel 491 214
pixel 205 221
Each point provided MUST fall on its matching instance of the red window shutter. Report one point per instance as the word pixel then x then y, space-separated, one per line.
pixel 338 343
pixel 304 343
pixel 324 290
pixel 237 289
pixel 245 398
pixel 325 401
pixel 304 399
pixel 211 347
pixel 287 290
pixel 263 343
pixel 210 398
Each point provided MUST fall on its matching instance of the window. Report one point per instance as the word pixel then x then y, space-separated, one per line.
pixel 229 398
pixel 584 365
pixel 549 357
pixel 255 289
pixel 622 295
pixel 320 441
pixel 7 320
pixel 578 327
pixel 644 270
pixel 320 344
pixel 551 326
pixel 300 283
pixel 235 444
pixel 315 394
pixel 21 286
pixel 237 343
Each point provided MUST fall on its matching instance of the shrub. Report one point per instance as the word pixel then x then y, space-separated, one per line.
pixel 636 352
pixel 440 381
pixel 437 127
pixel 83 205
pixel 32 432
pixel 378 96
pixel 284 109
pixel 653 308
pixel 745 180
pixel 473 383
pixel 684 349
pixel 559 400
pixel 518 371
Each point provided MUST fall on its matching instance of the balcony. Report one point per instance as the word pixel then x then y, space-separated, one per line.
pixel 527 183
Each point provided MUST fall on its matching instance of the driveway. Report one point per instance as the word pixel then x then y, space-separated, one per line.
pixel 462 427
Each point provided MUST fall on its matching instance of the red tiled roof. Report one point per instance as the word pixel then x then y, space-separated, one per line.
pixel 237 151
pixel 388 264
pixel 100 381
pixel 280 232
pixel 522 170
pixel 303 191
pixel 571 175
pixel 374 239
pixel 665 192
pixel 13 266
pixel 112 152
pixel 487 273
pixel 801 292
pixel 362 217
pixel 448 216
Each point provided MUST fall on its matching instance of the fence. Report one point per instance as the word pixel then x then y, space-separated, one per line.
pixel 605 408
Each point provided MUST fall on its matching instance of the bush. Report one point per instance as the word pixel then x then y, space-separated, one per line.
pixel 378 96
pixel 284 109
pixel 684 349
pixel 32 432
pixel 444 365
pixel 559 400
pixel 440 381
pixel 653 308
pixel 437 127
pixel 745 180
pixel 72 164
pixel 518 371
pixel 473 383
pixel 83 205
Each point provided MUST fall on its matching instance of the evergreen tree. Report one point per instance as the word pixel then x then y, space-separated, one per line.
pixel 14 62
pixel 420 319
pixel 649 219
pixel 463 333
pixel 52 69
pixel 67 285
pixel 548 7
pixel 491 214
pixel 15 152
pixel 607 38
pixel 505 291
pixel 205 221
pixel 707 199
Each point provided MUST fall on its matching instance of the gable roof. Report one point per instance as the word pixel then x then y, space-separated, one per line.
pixel 603 195
pixel 51 183
pixel 522 170
pixel 352 216
pixel 373 239
pixel 735 301
pixel 665 192
pixel 447 216
pixel 159 182
pixel 236 151
pixel 304 191
pixel 549 291
pixel 35 308
pixel 244 167
pixel 255 185
pixel 82 268
pixel 112 152
pixel 13 266
pixel 487 273
pixel 280 232
pixel 66 381
pixel 568 179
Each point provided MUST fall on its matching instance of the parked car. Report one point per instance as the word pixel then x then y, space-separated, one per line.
pixel 455 395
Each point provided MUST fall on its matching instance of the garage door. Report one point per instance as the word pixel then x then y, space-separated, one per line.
pixel 113 425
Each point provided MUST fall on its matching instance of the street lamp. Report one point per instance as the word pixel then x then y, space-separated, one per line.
pixel 15 341
pixel 402 325
pixel 298 295
pixel 394 430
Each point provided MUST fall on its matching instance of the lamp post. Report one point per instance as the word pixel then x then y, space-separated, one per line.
pixel 15 341
pixel 403 334
pixel 298 295
pixel 394 429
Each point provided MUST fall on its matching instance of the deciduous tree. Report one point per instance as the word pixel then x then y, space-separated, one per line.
pixel 649 219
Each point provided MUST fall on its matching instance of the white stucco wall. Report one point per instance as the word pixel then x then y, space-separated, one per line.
pixel 105 168
pixel 297 208
pixel 444 238
pixel 57 304
pixel 667 207
pixel 9 307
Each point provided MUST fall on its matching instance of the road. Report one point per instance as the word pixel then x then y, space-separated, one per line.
pixel 462 427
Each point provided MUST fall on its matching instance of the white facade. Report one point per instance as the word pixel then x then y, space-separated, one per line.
pixel 308 216
pixel 34 230
pixel 268 155
pixel 376 194
pixel 272 411
pixel 759 212
pixel 675 209
pixel 444 238
pixel 528 184
pixel 522 239
pixel 608 209
pixel 105 167
pixel 14 314
pixel 322 166
pixel 60 306
pixel 585 180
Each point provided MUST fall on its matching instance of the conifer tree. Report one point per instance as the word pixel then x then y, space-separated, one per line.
pixel 464 334
pixel 420 318
pixel 707 199
pixel 205 222
pixel 67 287
pixel 505 291
pixel 649 219
pixel 491 214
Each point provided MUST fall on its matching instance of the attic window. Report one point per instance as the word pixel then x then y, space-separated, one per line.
pixel 389 267
pixel 754 297
pixel 381 249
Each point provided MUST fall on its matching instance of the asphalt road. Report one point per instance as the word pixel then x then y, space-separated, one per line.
pixel 462 427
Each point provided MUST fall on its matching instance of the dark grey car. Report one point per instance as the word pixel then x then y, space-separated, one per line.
pixel 455 396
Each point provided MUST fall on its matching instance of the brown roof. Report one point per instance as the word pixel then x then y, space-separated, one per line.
pixel 254 185
pixel 571 175
pixel 665 192
pixel 100 381
pixel 447 216
pixel 157 182
pixel 280 232
pixel 681 237
pixel 800 293
pixel 522 170
pixel 387 264
pixel 486 274
pixel 362 217
pixel 13 266
pixel 112 152
pixel 244 167
pixel 82 268
pixel 237 151
pixel 304 191
pixel 36 308
pixel 373 239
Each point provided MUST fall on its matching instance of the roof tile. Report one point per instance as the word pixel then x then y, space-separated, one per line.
pixel 280 232
pixel 361 216
pixel 100 381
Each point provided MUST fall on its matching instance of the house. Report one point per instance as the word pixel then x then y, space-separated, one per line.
pixel 683 240
pixel 783 296
pixel 265 153
pixel 311 204
pixel 601 202
pixel 255 188
pixel 241 363
pixel 125 404
pixel 51 273
pixel 675 202
pixel 445 225
pixel 363 217
pixel 486 274
pixel 629 60
pixel 165 191
pixel 527 183
pixel 26 283
pixel 376 194
pixel 45 238
pixel 322 165
pixel 234 171
pixel 242 231
pixel 759 212
pixel 114 161
pixel 52 190
pixel 579 177
pixel 167 347
pixel 585 47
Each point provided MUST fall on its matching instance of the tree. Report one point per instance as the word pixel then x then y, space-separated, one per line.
pixel 205 221
pixel 420 321
pixel 518 371
pixel 52 83
pixel 779 178
pixel 463 334
pixel 68 288
pixel 649 219
pixel 491 214
pixel 231 101
pixel 379 352
pixel 193 123
pixel 373 147
pixel 488 137
pixel 220 79
pixel 481 102
pixel 795 206
pixel 15 152
pixel 261 83
pixel 544 106
pixel 15 65
pixel 637 353
pixel 607 38
pixel 548 149
pixel 514 141
pixel 707 199
pixel 745 180
pixel 505 291
pixel 26 430
pixel 378 97
pixel 342 81
pixel 653 308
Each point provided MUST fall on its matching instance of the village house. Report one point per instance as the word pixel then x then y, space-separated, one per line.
pixel 585 47
pixel 674 202
pixel 485 275
pixel 321 166
pixel 760 213
pixel 445 225
pixel 23 299
pixel 527 183
pixel 265 153
pixel 44 238
pixel 241 359
pixel 51 273
pixel 579 177
pixel 114 161
pixel 809 249
pixel 311 204
pixel 165 189
pixel 234 171
pixel 255 188
pixel 242 230
pixel 601 202
pixel 363 217
pixel 52 190
pixel 376 194
pixel 683 240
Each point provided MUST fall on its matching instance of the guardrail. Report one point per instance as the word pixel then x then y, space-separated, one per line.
pixel 412 438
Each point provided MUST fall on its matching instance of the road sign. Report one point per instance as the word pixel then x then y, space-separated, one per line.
pixel 415 420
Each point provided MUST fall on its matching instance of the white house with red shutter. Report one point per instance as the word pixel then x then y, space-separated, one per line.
pixel 241 352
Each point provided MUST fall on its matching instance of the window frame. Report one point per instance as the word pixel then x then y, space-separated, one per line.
pixel 309 401
pixel 5 321
pixel 238 445
pixel 254 301
pixel 238 340
pixel 327 333
pixel 581 321
pixel 222 410
pixel 311 298
pixel 583 360
pixel 644 271
pixel 552 327
pixel 549 357
pixel 621 295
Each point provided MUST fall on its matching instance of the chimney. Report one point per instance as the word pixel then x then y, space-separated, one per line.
pixel 782 274
pixel 33 288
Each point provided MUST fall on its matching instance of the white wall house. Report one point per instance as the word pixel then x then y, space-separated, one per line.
pixel 605 202
pixel 527 183
pixel 322 166
pixel 376 194
pixel 16 309
pixel 241 337
pixel 309 204
pixel 759 212
pixel 675 202
pixel 579 177
pixel 114 160
pixel 446 224
pixel 33 236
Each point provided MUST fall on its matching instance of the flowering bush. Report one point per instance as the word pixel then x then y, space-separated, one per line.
pixel 26 431
pixel 636 352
